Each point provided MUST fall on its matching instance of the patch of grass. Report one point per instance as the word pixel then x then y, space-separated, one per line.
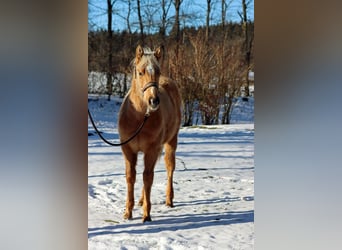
pixel 112 221
pixel 202 127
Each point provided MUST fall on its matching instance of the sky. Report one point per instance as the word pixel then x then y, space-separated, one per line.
pixel 97 17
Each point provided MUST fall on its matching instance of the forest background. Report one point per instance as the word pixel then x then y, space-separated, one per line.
pixel 208 49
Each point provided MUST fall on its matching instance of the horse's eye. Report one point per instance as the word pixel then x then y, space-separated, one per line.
pixel 142 72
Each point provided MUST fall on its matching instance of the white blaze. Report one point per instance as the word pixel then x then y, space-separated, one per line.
pixel 150 70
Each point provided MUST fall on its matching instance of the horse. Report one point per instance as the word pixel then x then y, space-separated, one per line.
pixel 156 96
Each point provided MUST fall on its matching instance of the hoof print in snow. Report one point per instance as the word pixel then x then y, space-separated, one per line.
pixel 105 182
pixel 248 198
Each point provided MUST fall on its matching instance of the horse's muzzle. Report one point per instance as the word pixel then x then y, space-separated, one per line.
pixel 154 102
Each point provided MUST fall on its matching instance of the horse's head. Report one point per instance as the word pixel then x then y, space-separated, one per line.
pixel 147 73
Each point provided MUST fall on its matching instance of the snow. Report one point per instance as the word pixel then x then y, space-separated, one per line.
pixel 213 185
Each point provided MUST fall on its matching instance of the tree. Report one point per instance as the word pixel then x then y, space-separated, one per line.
pixel 181 68
pixel 110 5
pixel 248 40
pixel 129 2
pixel 207 27
pixel 163 24
pixel 223 13
pixel 204 73
pixel 141 24
pixel 224 7
pixel 232 69
pixel 175 32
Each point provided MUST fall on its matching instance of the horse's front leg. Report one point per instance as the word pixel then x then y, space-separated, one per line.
pixel 130 161
pixel 141 201
pixel 150 160
pixel 170 162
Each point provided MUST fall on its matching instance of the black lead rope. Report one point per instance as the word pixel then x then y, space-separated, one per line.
pixel 122 143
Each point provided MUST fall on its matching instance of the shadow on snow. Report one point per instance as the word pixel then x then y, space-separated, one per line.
pixel 176 170
pixel 174 223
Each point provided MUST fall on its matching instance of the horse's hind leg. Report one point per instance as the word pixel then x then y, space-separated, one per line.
pixel 170 162
pixel 130 160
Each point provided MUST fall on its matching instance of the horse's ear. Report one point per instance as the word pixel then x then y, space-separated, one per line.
pixel 158 53
pixel 139 52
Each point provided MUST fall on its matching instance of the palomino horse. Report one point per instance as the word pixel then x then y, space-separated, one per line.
pixel 158 97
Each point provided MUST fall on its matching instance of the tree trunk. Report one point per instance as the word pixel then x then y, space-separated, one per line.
pixel 223 13
pixel 124 90
pixel 110 49
pixel 207 21
pixel 227 111
pixel 162 29
pixel 128 16
pixel 246 44
pixel 176 26
pixel 140 24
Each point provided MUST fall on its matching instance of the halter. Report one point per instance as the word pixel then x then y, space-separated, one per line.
pixel 149 85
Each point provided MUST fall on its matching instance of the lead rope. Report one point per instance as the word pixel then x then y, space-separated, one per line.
pixel 121 143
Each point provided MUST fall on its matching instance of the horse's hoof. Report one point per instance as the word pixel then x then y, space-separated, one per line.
pixel 147 218
pixel 128 216
pixel 169 204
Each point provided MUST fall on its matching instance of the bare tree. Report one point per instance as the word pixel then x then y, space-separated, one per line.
pixel 207 26
pixel 110 5
pixel 223 13
pixel 150 11
pixel 141 25
pixel 204 72
pixel 129 2
pixel 224 7
pixel 91 23
pixel 163 24
pixel 183 73
pixel 232 72
pixel 176 26
pixel 247 45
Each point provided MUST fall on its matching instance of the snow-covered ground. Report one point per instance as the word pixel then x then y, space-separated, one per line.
pixel 213 184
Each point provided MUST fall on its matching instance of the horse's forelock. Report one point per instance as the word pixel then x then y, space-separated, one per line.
pixel 148 59
pixel 148 51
